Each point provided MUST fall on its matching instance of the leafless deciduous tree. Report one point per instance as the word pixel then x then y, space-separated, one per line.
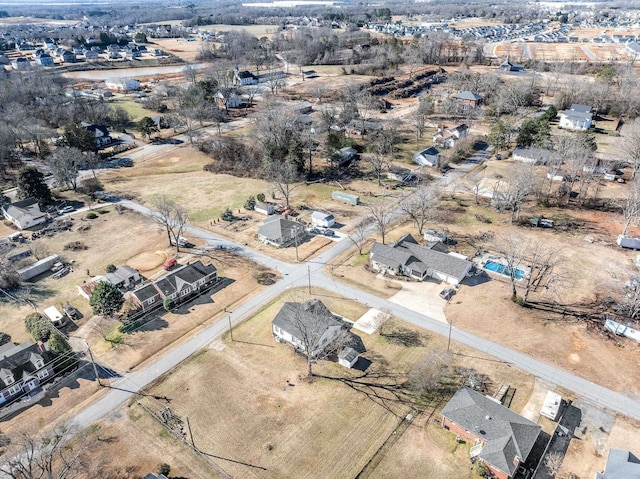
pixel 378 163
pixel 533 266
pixel 380 319
pixel 427 373
pixel 283 175
pixel 511 193
pixel 35 456
pixel 553 461
pixel 420 206
pixel 359 235
pixel 65 163
pixel 631 146
pixel 381 216
pixel 172 216
pixel 631 206
pixel 475 180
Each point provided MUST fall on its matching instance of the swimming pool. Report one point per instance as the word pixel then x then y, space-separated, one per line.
pixel 502 269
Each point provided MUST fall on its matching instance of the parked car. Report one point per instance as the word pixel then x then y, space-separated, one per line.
pixel 185 243
pixel 67 209
pixel 71 312
pixel 328 232
pixel 171 262
pixel 447 293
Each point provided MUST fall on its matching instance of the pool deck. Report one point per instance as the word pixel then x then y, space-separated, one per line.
pixel 481 261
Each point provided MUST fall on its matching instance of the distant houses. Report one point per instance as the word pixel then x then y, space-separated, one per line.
pixel 449 137
pixel 122 84
pixel 577 117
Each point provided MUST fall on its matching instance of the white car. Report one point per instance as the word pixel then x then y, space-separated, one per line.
pixel 67 209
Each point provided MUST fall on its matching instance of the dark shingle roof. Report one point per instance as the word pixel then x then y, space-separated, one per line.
pixel 621 464
pixel 274 228
pixel 185 275
pixel 146 292
pixel 312 316
pixel 19 359
pixel 506 433
pixel 467 95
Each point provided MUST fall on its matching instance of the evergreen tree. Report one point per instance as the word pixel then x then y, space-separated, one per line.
pixel 31 184
pixel 106 299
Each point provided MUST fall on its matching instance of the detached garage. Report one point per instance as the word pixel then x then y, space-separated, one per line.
pixel 325 220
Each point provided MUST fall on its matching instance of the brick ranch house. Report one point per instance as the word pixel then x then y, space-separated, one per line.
pixel 501 438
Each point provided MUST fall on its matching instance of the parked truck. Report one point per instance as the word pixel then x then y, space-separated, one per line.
pixel 55 316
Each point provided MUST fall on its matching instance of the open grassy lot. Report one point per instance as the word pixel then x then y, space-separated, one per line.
pixel 266 414
pixel 134 108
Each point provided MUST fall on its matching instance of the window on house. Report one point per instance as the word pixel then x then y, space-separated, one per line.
pixel 151 300
pixel 44 373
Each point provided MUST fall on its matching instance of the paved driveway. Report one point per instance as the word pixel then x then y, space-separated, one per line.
pixel 422 298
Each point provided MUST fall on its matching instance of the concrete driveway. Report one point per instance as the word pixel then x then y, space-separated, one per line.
pixel 422 297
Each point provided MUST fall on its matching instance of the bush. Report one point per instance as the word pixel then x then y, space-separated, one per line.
pixel 168 304
pixel 260 197
pixel 4 338
pixel 91 215
pixel 227 215
pixel 517 299
pixel 75 246
pixel 250 204
pixel 265 278
pixel 110 268
pixel 38 326
pixel 164 469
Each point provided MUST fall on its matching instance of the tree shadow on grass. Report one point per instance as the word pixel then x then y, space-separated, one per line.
pixel 405 337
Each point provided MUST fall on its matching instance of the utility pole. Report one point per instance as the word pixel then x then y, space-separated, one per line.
pixel 93 363
pixel 309 273
pixel 230 328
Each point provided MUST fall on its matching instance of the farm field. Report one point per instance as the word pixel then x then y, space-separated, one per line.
pixel 270 416
pixel 560 52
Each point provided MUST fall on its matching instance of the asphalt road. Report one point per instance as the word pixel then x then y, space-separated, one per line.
pixel 297 275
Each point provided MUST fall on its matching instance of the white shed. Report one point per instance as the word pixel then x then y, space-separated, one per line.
pixel 551 406
pixel 55 316
pixel 348 357
pixel 326 220
pixel 265 208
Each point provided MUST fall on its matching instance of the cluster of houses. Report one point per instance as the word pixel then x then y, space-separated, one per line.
pixel 178 285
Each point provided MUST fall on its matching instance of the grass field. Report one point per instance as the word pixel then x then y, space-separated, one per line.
pixel 255 30
pixel 135 109
pixel 268 415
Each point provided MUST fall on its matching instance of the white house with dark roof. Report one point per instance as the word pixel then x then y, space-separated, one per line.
pixel 428 157
pixel 531 155
pixel 621 464
pixel 577 117
pixel 501 438
pixel 307 325
pixel 24 214
pixel 448 137
pixel 23 368
pixel 407 258
pixel 280 232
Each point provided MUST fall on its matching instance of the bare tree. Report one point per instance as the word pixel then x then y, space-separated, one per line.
pixel 379 163
pixel 428 373
pixel 283 175
pixel 380 319
pixel 381 216
pixel 419 116
pixel 420 206
pixel 631 146
pixel 553 461
pixel 511 193
pixel 173 217
pixel 532 265
pixel 65 163
pixel 359 235
pixel 50 455
pixel 476 179
pixel 631 206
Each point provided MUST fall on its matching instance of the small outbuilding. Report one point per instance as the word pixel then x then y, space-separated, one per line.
pixel 264 208
pixel 348 357
pixel 325 220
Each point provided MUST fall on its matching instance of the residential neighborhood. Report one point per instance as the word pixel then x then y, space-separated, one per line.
pixel 319 239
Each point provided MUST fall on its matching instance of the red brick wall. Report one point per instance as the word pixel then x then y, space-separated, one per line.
pixel 470 437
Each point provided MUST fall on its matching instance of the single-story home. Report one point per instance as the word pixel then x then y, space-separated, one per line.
pixel 398 173
pixel 147 297
pixel 123 277
pixel 307 326
pixel 342 156
pixel 186 281
pixel 577 117
pixel 501 438
pixel 24 214
pixel 326 220
pixel 621 464
pixel 531 155
pixel 23 369
pixel 428 157
pixel 280 232
pixel 467 98
pixel 122 84
pixel 407 258
pixel 508 66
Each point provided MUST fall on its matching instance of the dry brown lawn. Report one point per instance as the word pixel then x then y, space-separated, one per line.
pixel 310 429
pixel 562 51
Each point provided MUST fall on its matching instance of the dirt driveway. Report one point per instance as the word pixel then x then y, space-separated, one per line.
pixel 422 297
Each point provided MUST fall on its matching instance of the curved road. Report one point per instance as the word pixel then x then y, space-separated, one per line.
pixel 296 275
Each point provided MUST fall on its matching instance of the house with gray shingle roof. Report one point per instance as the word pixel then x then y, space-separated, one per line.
pixel 407 258
pixel 577 117
pixel 308 325
pixel 23 368
pixel 502 439
pixel 25 213
pixel 621 464
pixel 281 232
pixel 467 98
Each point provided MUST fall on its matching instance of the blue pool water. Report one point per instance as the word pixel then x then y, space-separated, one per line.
pixel 502 269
